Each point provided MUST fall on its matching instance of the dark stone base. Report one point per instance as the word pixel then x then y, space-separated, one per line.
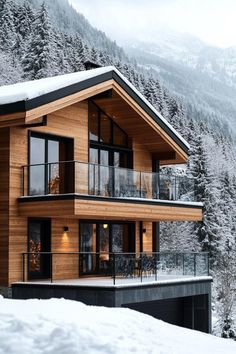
pixel 190 302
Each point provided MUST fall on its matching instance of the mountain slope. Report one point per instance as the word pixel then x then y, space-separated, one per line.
pixel 205 76
pixel 67 20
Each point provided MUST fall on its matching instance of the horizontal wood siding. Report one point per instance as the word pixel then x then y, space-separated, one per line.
pixel 4 204
pixel 65 266
pixel 102 210
pixel 70 122
pixel 147 237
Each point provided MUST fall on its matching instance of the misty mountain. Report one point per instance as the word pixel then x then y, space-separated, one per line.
pixel 201 74
pixel 64 17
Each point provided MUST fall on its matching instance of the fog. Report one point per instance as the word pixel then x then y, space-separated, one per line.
pixel 213 21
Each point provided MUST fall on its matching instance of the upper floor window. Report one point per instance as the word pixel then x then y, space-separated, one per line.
pixel 103 129
pixel 48 174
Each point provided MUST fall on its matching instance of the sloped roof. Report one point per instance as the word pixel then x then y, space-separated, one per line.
pixel 28 95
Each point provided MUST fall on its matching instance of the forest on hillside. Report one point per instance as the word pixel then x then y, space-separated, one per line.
pixel 32 46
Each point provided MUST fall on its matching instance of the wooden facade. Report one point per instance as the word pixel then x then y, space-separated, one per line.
pixel 68 117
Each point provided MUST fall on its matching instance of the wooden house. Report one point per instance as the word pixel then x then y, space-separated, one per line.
pixel 80 187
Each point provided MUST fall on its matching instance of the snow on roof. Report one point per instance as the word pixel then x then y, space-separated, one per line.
pixel 64 326
pixel 24 91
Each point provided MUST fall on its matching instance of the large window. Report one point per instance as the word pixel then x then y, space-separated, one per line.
pixel 47 172
pixel 108 148
pixel 102 129
pixel 108 142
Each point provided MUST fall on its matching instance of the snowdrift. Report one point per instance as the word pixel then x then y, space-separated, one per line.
pixel 59 326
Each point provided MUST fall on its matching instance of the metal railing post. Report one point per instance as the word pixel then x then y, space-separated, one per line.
pixel 194 264
pixel 114 268
pixel 208 264
pixel 175 196
pixel 23 262
pixel 51 266
pixel 155 267
pixel 49 178
pixel 141 267
pixel 23 180
pixel 140 184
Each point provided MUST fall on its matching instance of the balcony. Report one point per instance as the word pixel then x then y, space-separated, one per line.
pixel 105 181
pixel 113 268
pixel 77 189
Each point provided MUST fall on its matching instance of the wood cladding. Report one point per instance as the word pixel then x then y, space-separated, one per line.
pixel 4 204
pixel 109 210
pixel 70 122
pixel 65 266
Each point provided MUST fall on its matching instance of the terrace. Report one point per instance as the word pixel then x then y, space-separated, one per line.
pixel 113 268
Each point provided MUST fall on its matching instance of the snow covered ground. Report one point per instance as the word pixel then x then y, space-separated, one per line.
pixel 59 326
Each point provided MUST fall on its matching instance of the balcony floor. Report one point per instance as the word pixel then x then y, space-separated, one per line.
pixel 107 282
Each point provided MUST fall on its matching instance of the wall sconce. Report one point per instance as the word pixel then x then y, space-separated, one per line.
pixel 105 226
pixel 66 229
pixel 144 231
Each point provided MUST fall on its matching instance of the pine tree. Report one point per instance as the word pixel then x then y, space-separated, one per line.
pixel 7 28
pixel 38 60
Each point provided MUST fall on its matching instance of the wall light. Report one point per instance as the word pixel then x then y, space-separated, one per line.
pixel 105 226
pixel 66 229
pixel 144 231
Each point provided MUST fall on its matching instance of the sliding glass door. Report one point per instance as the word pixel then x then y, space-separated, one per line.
pixel 98 240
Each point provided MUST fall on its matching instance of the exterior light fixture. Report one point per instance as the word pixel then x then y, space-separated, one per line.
pixel 144 231
pixel 66 229
pixel 105 226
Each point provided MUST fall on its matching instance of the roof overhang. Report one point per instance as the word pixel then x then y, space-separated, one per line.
pixel 26 110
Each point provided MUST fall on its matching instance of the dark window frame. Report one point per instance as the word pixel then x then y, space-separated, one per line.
pixel 110 223
pixel 39 220
pixel 99 142
pixel 47 137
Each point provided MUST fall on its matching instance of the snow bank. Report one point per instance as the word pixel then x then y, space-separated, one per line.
pixel 59 326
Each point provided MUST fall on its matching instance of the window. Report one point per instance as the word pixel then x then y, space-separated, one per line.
pixel 104 130
pixel 108 147
pixel 46 174
pixel 99 239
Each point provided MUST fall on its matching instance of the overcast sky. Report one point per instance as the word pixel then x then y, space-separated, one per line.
pixel 213 21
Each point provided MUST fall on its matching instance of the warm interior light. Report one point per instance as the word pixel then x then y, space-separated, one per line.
pixel 105 226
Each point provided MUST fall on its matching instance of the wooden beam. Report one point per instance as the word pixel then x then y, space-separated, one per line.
pixel 165 155
pixel 11 116
pixel 12 123
pixel 67 101
pixel 150 121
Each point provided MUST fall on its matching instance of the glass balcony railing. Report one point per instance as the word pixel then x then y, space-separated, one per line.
pixel 141 267
pixel 106 181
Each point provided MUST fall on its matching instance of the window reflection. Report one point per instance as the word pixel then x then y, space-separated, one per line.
pixel 94 124
pixel 103 129
pixel 36 173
